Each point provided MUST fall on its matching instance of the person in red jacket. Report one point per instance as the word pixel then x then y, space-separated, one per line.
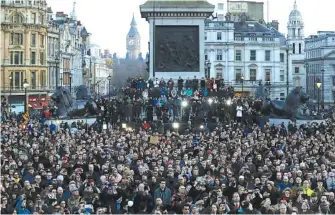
pixel 146 125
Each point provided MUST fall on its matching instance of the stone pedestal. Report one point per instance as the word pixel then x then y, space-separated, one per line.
pixel 177 34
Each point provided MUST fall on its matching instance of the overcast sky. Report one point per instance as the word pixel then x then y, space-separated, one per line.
pixel 109 20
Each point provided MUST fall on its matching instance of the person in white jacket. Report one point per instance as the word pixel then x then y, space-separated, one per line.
pixel 156 83
pixel 239 113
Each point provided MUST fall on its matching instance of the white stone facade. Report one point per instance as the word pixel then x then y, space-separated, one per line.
pixel 259 55
pixel 320 66
pixel 295 40
pixel 53 52
pixel 67 38
pixel 98 71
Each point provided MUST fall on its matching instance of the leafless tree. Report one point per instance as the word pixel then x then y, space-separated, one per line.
pixel 126 69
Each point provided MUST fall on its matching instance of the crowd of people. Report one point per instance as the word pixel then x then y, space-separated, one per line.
pixel 241 165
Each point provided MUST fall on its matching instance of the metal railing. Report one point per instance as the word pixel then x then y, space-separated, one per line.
pixel 32 88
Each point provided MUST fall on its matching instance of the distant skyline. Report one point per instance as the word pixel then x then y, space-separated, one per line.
pixel 110 33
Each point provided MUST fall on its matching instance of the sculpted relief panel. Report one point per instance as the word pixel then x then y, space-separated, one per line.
pixel 176 49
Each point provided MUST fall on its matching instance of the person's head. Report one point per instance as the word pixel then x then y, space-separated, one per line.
pixel 162 184
pixel 159 202
pixel 214 208
pixel 285 179
pixel 182 189
pixel 331 196
pixel 49 175
pixel 282 209
pixel 279 176
pixel 4 200
pixel 186 209
pixel 305 184
pixel 141 187
pixel 59 190
pixel 236 198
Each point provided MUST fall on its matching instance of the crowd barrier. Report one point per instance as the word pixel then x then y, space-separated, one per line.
pixel 276 122
pixel 183 125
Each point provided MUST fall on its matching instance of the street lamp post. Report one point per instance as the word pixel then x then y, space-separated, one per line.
pixel 109 86
pixel 242 81
pixel 208 65
pixel 25 86
pixel 318 85
pixel 10 92
pixel 70 77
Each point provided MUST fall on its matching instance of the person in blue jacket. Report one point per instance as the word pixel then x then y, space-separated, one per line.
pixel 21 206
pixel 164 193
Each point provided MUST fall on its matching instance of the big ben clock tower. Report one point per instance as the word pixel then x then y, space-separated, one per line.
pixel 133 40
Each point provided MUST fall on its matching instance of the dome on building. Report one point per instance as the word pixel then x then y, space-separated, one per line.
pixel 295 13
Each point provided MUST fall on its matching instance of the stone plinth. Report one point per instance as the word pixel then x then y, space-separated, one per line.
pixel 176 37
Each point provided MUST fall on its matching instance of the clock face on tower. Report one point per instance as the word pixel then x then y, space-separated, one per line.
pixel 131 42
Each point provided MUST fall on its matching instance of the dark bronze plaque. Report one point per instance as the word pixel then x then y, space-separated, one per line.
pixel 176 49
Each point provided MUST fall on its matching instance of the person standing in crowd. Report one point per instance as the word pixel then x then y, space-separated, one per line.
pixel 239 111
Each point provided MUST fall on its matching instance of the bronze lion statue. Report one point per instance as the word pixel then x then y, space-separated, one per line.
pixel 288 109
pixel 67 107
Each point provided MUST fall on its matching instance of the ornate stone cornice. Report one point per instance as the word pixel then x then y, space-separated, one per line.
pixel 177 14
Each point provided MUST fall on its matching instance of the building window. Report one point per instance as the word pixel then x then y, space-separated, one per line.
pixel 219 54
pixel 33 79
pixel 282 57
pixel 16 57
pixel 33 58
pixel 282 75
pixel 17 19
pixel 42 41
pixel 218 74
pixel 252 54
pixel 299 48
pixel 238 74
pixel 41 19
pixel 17 82
pixel 43 77
pixel 293 32
pixel 293 48
pixel 268 75
pixel 282 96
pixel 205 35
pixel 220 17
pixel 267 55
pixel 253 74
pixel 297 82
pixel 219 36
pixel 296 70
pixel 41 58
pixel 33 40
pixel 299 32
pixel 238 55
pixel 17 39
pixel 220 6
pixel 33 18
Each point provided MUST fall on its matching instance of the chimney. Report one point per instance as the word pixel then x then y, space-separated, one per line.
pixel 275 24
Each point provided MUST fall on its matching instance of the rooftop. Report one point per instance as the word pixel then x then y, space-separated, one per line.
pixel 177 3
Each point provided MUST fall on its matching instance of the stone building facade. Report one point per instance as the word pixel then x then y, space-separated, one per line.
pixel 296 43
pixel 24 51
pixel 133 41
pixel 320 66
pixel 250 50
